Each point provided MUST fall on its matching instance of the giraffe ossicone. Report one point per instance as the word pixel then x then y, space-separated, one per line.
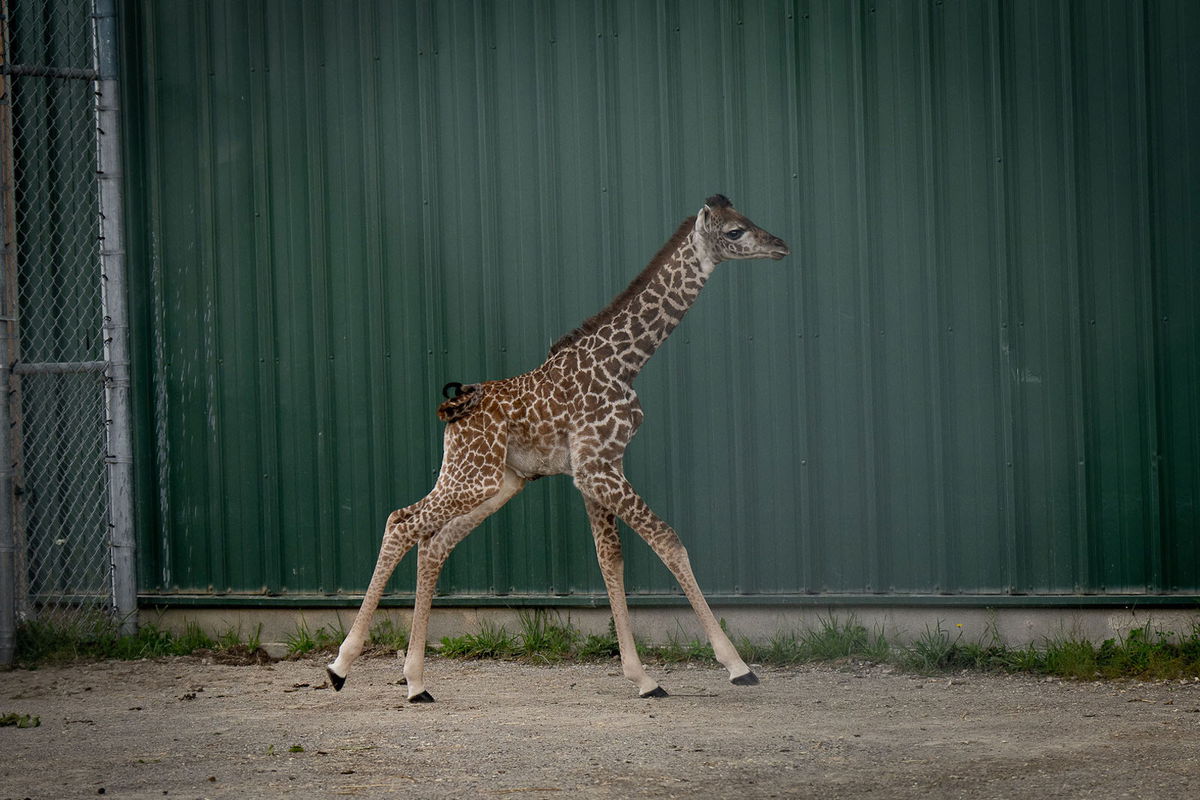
pixel 574 415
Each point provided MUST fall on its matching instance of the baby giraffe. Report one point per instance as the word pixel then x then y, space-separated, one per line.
pixel 573 415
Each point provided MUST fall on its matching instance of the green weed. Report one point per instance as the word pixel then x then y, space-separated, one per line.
pixel 1069 658
pixel 931 651
pixel 304 640
pixel 544 638
pixel 682 651
pixel 782 649
pixel 387 635
pixel 19 721
pixel 49 642
pixel 833 639
pixel 40 642
pixel 1142 653
pixel 600 646
pixel 1025 659
pixel 231 638
pixel 492 641
pixel 193 638
pixel 596 647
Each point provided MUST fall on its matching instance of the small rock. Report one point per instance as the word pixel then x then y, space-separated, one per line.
pixel 275 651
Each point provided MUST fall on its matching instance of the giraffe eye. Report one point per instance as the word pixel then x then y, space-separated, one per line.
pixel 734 234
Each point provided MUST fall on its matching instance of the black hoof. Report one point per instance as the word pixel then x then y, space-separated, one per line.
pixel 423 697
pixel 749 679
pixel 337 680
pixel 657 691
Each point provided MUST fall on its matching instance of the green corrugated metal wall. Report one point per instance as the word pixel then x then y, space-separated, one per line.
pixel 977 374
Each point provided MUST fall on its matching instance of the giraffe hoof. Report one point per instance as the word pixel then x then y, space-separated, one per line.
pixel 337 681
pixel 423 697
pixel 749 679
pixel 657 691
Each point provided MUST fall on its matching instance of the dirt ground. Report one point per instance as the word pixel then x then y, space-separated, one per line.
pixel 190 728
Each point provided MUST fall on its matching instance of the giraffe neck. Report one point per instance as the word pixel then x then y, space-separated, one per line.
pixel 623 337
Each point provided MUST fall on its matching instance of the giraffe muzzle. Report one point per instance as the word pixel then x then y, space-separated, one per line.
pixel 779 249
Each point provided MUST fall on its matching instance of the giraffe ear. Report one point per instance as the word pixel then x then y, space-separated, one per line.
pixel 703 217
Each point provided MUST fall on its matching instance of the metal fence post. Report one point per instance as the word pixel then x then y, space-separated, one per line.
pixel 8 567
pixel 116 320
pixel 8 547
pixel 8 577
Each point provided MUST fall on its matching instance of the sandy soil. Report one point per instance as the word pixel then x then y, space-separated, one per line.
pixel 191 728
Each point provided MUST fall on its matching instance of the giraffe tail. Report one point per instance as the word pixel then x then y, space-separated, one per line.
pixel 461 404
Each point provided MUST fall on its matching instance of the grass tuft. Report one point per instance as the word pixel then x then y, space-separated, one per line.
pixel 932 651
pixel 231 639
pixel 1144 653
pixel 54 642
pixel 14 720
pixel 387 635
pixel 193 638
pixel 492 641
pixel 546 639
pixel 680 651
pixel 600 646
pixel 831 640
pixel 782 649
pixel 304 640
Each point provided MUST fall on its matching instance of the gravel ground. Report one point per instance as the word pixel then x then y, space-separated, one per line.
pixel 191 728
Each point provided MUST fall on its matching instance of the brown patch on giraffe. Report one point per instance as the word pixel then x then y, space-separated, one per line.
pixel 606 428
pixel 593 323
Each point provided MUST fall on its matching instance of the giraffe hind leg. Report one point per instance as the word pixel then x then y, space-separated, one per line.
pixel 399 535
pixel 472 471
pixel 405 528
pixel 431 557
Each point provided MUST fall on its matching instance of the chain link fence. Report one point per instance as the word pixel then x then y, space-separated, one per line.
pixel 54 264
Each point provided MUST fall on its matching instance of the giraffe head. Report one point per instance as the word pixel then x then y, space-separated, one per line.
pixel 725 234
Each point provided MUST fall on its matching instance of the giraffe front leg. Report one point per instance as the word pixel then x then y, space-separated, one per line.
pixel 615 492
pixel 398 539
pixel 676 558
pixel 612 567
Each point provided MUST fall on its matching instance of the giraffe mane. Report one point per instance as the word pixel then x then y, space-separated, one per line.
pixel 593 323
